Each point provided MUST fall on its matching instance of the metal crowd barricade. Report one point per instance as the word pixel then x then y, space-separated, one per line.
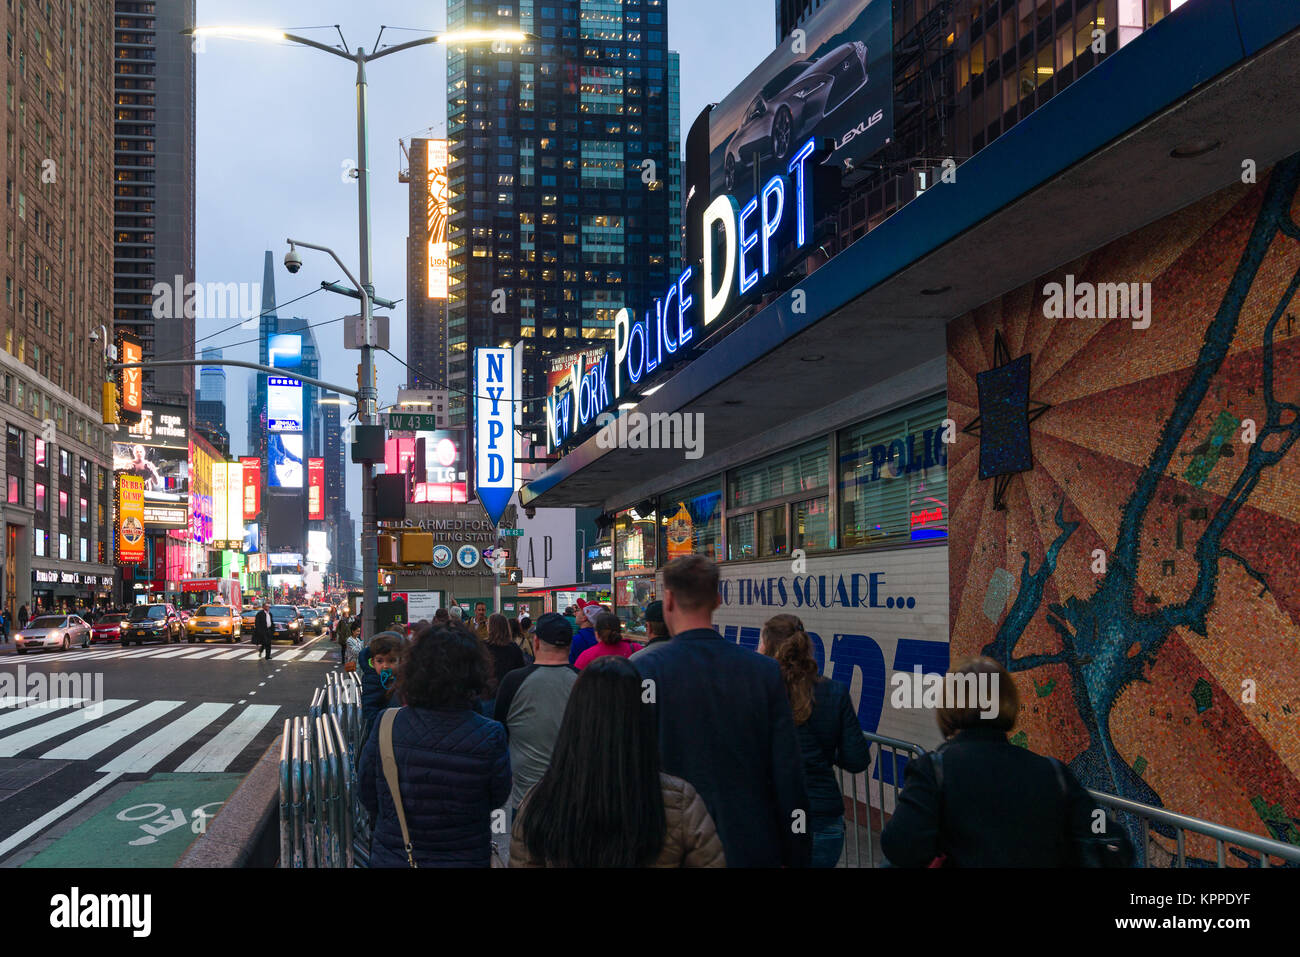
pixel 321 821
pixel 888 758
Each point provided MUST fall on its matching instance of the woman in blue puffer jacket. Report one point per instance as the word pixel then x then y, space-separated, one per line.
pixel 453 766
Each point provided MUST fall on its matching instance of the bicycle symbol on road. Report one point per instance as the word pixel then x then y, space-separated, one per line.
pixel 164 820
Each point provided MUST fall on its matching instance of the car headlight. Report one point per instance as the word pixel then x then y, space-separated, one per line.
pixel 293 624
pixel 52 634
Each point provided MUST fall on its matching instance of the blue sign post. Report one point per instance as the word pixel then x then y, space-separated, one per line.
pixel 495 391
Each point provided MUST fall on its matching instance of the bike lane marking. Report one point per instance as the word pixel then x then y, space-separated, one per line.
pixel 151 825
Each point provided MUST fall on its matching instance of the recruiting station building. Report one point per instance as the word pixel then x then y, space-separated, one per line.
pixel 1044 412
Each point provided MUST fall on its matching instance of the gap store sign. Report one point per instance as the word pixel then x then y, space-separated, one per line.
pixel 741 250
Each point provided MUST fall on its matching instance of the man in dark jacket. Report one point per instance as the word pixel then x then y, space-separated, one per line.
pixel 264 630
pixel 725 726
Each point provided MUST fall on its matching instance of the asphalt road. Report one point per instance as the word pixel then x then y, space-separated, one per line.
pixel 115 757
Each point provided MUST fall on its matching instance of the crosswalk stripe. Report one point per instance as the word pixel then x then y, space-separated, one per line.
pixel 217 754
pixel 143 756
pixel 206 653
pixel 175 653
pixel 231 655
pixel 314 655
pixel 11 702
pixel 92 742
pixel 19 742
pixel 78 655
pixel 13 717
pixel 288 654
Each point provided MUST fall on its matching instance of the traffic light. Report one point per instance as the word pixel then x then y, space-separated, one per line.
pixel 108 403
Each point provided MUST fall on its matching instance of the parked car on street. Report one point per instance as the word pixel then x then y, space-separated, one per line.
pixel 108 627
pixel 52 631
pixel 152 623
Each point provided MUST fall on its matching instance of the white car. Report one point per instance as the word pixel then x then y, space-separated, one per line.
pixel 53 631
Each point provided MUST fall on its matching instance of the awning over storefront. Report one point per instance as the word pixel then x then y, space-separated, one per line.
pixel 1218 82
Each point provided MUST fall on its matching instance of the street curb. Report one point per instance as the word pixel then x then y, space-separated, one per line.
pixel 245 831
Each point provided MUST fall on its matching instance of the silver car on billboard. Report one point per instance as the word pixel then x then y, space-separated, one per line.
pixel 792 105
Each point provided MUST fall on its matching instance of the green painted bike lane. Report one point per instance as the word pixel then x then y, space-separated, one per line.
pixel 149 826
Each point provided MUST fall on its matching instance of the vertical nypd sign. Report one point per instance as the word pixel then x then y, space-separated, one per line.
pixel 495 387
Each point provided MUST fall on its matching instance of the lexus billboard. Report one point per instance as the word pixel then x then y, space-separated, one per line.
pixel 832 80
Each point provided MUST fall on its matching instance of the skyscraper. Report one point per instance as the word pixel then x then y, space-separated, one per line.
pixel 153 159
pixel 564 156
pixel 210 404
pixel 56 470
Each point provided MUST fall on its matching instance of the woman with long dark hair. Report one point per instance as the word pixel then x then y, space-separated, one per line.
pixel 504 655
pixel 603 801
pixel 452 763
pixel 828 729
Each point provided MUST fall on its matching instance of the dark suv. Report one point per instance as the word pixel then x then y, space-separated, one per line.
pixel 152 623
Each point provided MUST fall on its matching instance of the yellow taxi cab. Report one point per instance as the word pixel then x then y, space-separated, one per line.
pixel 214 621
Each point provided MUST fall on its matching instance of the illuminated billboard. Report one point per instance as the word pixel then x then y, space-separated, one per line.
pixel 130 519
pixel 283 404
pixel 252 486
pixel 315 489
pixel 284 465
pixel 284 351
pixel 234 499
pixel 132 379
pixel 220 501
pixel 438 210
pixel 834 83
pixel 157 451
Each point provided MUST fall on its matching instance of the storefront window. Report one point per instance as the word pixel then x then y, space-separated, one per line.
pixel 771 531
pixel 631 595
pixel 894 478
pixel 799 470
pixel 634 541
pixel 691 521
pixel 768 495
pixel 810 524
pixel 740 537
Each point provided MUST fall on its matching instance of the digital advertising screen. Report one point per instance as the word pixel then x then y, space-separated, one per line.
pixel 284 351
pixel 437 218
pixel 283 404
pixel 284 461
pixel 315 489
pixel 252 486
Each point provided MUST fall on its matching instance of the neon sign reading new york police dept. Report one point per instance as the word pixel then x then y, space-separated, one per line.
pixel 750 238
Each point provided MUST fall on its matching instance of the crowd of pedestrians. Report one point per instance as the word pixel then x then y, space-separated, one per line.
pixel 560 743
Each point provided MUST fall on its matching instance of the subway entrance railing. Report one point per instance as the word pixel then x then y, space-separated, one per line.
pixel 321 821
pixel 1161 838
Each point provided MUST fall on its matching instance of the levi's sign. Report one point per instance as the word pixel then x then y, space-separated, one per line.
pixel 743 246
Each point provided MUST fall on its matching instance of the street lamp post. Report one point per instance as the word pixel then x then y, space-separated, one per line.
pixel 367 398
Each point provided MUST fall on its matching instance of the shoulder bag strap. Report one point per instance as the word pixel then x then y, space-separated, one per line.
pixel 390 775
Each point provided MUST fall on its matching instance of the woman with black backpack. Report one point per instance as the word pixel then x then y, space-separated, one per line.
pixel 981 801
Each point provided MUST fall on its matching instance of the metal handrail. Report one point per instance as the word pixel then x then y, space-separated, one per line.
pixel 1221 834
pixel 286 800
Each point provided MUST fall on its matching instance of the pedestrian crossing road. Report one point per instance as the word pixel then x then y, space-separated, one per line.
pixel 90 733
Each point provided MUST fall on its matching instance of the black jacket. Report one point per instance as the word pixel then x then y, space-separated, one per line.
pixel 263 627
pixel 830 738
pixel 1001 806
pixel 725 726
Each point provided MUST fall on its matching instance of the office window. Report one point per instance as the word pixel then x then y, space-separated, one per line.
pixel 893 474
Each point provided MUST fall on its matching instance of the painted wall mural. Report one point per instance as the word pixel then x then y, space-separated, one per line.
pixel 1141 577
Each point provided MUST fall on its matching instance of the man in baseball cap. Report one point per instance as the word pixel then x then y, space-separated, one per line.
pixel 655 627
pixel 531 701
pixel 586 636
